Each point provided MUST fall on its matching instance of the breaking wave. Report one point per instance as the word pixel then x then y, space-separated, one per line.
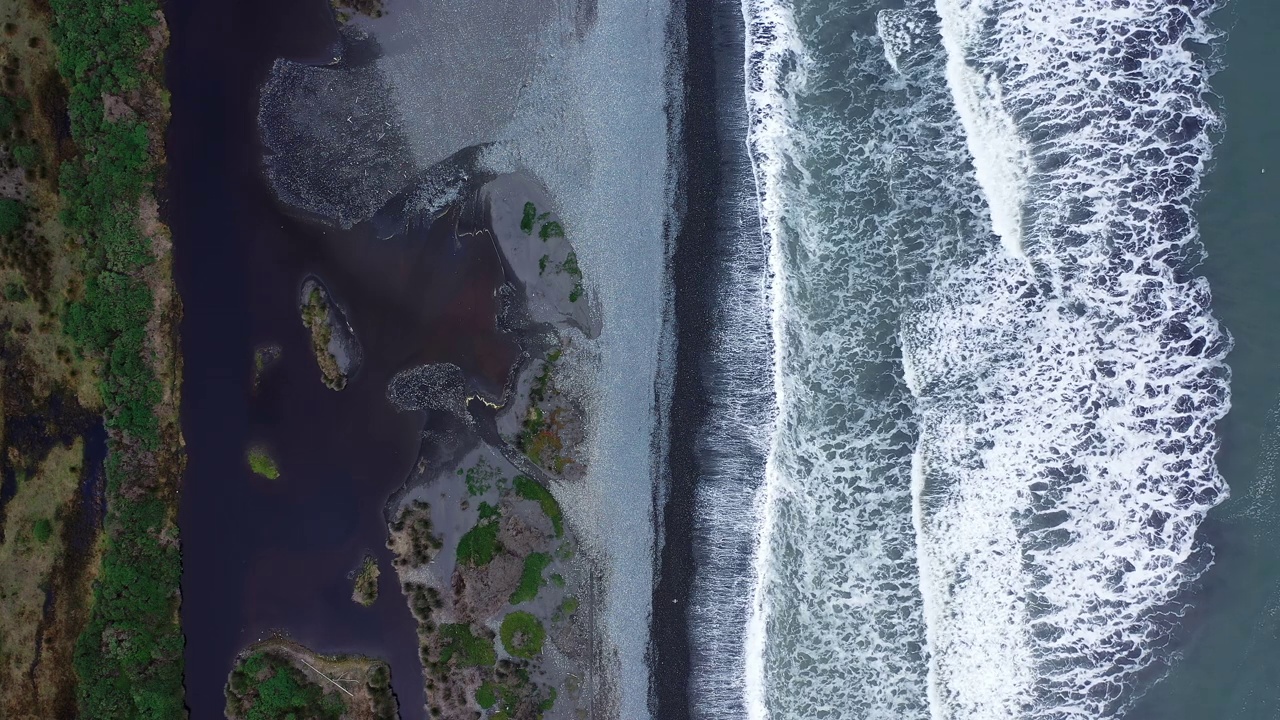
pixel 997 373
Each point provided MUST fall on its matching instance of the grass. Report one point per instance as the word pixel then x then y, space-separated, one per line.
pixel 468 650
pixel 528 488
pixel 487 695
pixel 261 463
pixel 526 220
pixel 522 634
pixel 531 578
pixel 479 545
pixel 365 590
pixel 27 559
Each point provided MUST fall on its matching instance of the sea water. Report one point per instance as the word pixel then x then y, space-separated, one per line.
pixel 996 372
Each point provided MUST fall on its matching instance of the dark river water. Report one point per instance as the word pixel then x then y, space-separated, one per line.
pixel 263 555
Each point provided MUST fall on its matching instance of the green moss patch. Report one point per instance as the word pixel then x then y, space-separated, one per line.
pixel 468 650
pixel 479 545
pixel 531 578
pixel 522 634
pixel 487 695
pixel 528 488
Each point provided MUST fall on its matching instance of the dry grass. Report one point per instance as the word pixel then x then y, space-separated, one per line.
pixel 26 564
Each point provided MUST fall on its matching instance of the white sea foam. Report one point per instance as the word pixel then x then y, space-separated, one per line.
pixel 1067 404
pixel 1001 524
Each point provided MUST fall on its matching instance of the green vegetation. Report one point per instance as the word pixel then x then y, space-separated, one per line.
pixel 479 545
pixel 268 687
pixel 480 478
pixel 27 155
pixel 15 292
pixel 550 229
pixel 365 591
pixel 549 703
pixel 558 580
pixel 8 114
pixel 460 644
pixel 526 220
pixel 316 317
pixel 42 530
pixel 570 266
pixel 567 608
pixel 528 488
pixel 129 656
pixel 522 634
pixel 261 463
pixel 13 215
pixel 531 578
pixel 542 263
pixel 487 695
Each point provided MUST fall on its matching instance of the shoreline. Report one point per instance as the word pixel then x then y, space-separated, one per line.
pixel 481 453
pixel 702 264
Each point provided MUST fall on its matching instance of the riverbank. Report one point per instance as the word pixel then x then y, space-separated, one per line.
pixel 88 289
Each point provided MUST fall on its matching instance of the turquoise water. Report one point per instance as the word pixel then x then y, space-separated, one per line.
pixel 1231 664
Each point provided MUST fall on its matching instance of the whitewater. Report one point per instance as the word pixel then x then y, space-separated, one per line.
pixel 995 371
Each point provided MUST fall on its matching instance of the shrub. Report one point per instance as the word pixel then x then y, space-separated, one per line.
pixel 42 530
pixel 28 156
pixel 13 215
pixel 551 229
pixel 526 221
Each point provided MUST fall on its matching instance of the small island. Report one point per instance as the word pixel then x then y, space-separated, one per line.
pixel 332 340
pixel 365 588
pixel 279 678
pixel 261 463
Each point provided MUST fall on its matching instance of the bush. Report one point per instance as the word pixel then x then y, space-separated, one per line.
pixel 522 634
pixel 13 216
pixel 28 156
pixel 42 530
pixel 551 229
pixel 526 221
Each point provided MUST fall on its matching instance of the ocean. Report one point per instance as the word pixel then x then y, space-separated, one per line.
pixel 981 448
